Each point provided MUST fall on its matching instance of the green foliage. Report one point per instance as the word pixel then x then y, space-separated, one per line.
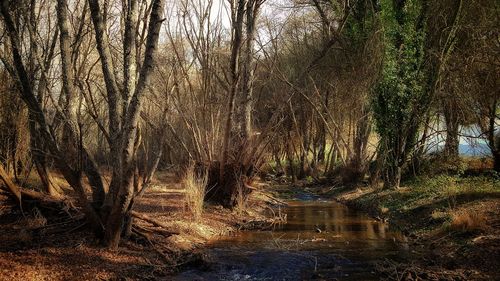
pixel 360 25
pixel 399 96
pixel 309 179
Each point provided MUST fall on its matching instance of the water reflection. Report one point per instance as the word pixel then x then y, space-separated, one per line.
pixel 322 240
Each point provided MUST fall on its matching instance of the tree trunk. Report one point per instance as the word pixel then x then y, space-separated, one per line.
pixel 114 106
pixel 125 138
pixel 237 13
pixel 40 161
pixel 452 125
pixel 72 141
pixel 252 10
pixel 118 215
pixel 393 178
pixel 43 172
pixel 277 160
pixel 496 159
pixel 234 174
pixel 322 131
pixel 14 189
pixel 289 154
pixel 150 170
pixel 361 135
pixel 494 139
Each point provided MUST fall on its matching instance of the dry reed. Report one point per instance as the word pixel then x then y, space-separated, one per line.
pixel 195 183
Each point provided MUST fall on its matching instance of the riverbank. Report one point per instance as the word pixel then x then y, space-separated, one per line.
pixel 453 224
pixel 44 247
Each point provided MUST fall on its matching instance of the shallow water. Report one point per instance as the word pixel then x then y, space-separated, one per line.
pixel 322 240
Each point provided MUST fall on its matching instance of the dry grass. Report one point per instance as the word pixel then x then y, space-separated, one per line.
pixel 195 184
pixel 439 215
pixel 468 221
pixel 479 163
pixel 384 210
pixel 240 198
pixel 37 220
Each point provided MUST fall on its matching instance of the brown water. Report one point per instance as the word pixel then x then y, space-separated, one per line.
pixel 322 240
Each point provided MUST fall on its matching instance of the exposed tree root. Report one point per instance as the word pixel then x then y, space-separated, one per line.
pixel 139 231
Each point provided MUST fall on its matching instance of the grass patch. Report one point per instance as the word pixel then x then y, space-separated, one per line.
pixel 445 190
pixel 465 221
pixel 431 202
pixel 195 184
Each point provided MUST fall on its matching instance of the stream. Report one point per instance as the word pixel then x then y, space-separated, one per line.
pixel 322 240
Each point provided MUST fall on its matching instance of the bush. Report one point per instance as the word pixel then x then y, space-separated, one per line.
pixel 437 164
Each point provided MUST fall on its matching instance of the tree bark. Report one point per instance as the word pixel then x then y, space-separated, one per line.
pixel 362 133
pixel 237 14
pixel 252 11
pixel 494 139
pixel 40 160
pixel 114 106
pixel 452 125
pixel 74 147
pixel 393 178
pixel 125 152
pixel 129 51
pixel 14 189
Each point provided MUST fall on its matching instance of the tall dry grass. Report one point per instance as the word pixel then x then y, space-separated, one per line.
pixel 468 221
pixel 240 198
pixel 195 183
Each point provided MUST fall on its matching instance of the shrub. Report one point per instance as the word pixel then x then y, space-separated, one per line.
pixel 438 164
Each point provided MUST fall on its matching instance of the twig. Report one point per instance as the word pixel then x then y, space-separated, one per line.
pixel 163 232
pixel 277 200
pixel 153 222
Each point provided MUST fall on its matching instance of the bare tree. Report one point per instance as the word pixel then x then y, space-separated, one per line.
pixel 124 109
pixel 123 113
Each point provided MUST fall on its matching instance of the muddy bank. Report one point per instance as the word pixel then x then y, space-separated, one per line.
pixel 43 246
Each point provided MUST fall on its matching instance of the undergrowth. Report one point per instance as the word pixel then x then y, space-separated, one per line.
pixel 435 202
pixel 443 191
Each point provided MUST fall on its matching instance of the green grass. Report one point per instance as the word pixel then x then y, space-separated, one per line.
pixel 442 189
pixel 425 203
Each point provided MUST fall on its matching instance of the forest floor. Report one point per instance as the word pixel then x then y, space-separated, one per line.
pixel 40 246
pixel 453 223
